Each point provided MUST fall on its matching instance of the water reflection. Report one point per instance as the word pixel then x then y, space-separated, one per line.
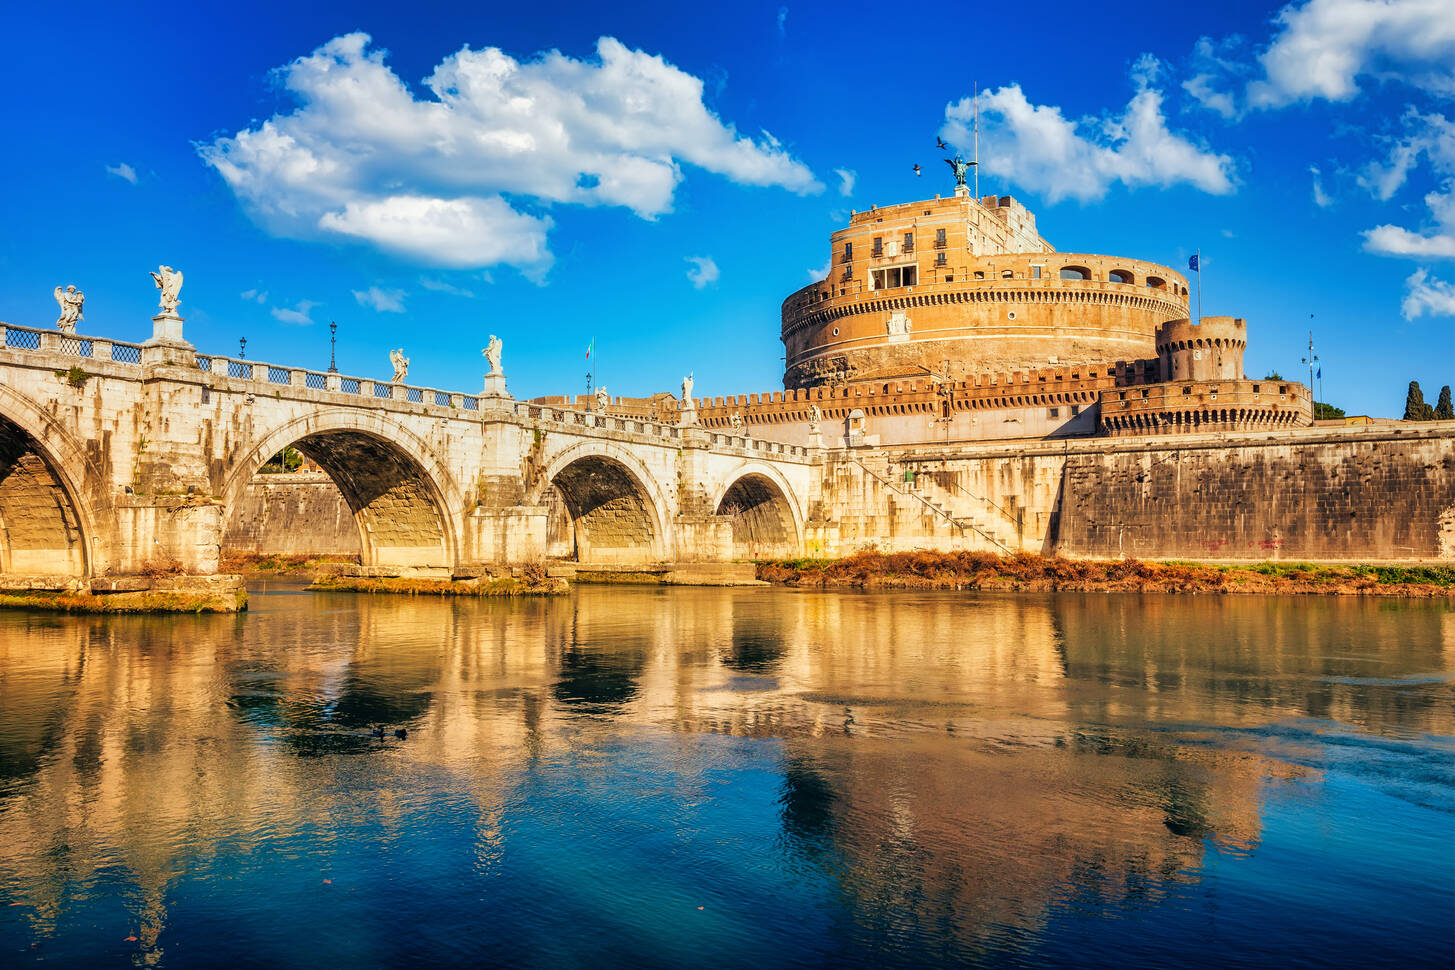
pixel 916 777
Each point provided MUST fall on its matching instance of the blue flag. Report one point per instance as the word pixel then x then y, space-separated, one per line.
pixel 1192 264
pixel 1321 373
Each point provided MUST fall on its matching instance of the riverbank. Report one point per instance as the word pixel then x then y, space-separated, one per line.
pixel 126 594
pixel 531 579
pixel 258 564
pixel 1031 573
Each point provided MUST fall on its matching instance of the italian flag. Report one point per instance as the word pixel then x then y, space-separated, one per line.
pixel 589 346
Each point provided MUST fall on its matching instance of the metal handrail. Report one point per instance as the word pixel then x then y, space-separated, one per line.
pixel 933 507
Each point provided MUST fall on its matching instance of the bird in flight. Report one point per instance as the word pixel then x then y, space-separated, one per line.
pixel 940 143
pixel 916 169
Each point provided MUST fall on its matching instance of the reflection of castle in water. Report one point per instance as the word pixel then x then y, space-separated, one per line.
pixel 954 756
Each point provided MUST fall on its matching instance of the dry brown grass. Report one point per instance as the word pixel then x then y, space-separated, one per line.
pixel 982 570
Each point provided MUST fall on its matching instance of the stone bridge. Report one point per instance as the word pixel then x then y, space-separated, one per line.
pixel 119 458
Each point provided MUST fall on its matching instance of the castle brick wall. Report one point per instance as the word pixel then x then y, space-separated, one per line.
pixel 300 514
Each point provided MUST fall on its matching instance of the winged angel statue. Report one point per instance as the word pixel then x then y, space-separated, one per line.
pixel 70 300
pixel 169 281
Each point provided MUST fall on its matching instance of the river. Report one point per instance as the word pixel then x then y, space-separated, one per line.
pixel 670 777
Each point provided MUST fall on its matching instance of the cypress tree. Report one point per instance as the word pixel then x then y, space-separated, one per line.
pixel 1443 410
pixel 1414 403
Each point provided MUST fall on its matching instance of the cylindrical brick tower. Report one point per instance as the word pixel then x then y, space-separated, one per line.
pixel 1210 351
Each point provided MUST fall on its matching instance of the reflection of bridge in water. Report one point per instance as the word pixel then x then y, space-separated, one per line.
pixel 973 759
pixel 114 456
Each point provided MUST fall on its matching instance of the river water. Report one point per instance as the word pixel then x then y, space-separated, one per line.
pixel 639 777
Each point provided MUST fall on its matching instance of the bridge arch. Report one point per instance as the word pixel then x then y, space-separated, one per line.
pixel 47 524
pixel 767 519
pixel 612 509
pixel 406 504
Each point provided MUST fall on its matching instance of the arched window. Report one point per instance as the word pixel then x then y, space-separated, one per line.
pixel 1006 274
pixel 1075 273
pixel 1120 276
pixel 1157 282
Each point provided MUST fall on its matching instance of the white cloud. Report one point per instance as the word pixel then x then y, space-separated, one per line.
pixel 782 20
pixel 1200 87
pixel 702 272
pixel 1321 198
pixel 255 296
pixel 847 178
pixel 383 301
pixel 361 156
pixel 440 286
pixel 1390 240
pixel 1425 295
pixel 822 273
pixel 1060 158
pixel 1325 46
pixel 122 171
pixel 1428 137
pixel 298 316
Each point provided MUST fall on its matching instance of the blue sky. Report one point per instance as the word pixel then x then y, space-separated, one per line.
pixel 660 177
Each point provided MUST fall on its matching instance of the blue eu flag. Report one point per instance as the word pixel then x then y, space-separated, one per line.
pixel 1192 264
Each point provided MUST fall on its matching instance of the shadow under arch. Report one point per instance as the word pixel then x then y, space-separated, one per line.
pixel 404 502
pixel 766 519
pixel 607 506
pixel 47 524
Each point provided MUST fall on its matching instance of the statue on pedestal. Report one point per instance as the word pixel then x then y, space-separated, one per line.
pixel 492 355
pixel 815 419
pixel 602 398
pixel 401 365
pixel 70 300
pixel 169 282
pixel 736 420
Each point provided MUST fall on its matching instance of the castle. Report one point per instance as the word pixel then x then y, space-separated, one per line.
pixel 953 319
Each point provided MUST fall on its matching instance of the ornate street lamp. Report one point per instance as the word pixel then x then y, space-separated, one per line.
pixel 332 341
pixel 242 348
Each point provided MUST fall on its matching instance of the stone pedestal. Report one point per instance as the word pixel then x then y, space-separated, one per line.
pixel 495 386
pixel 167 344
pixel 688 417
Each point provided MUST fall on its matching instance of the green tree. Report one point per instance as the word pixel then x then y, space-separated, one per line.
pixel 1414 404
pixel 1443 409
pixel 287 460
pixel 1273 375
pixel 1326 412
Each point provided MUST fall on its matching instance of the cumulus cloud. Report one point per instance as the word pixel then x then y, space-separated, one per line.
pixel 255 296
pixel 702 272
pixel 440 286
pixel 1429 138
pixel 1424 295
pixel 122 171
pixel 1080 159
pixel 428 178
pixel 847 178
pixel 1324 46
pixel 298 316
pixel 380 300
pixel 1321 198
pixel 822 273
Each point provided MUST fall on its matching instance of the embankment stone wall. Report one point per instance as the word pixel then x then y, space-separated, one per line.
pixel 301 514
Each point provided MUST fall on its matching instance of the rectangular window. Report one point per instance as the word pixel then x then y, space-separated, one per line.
pixel 939 239
pixel 1255 388
pixel 940 259
pixel 949 279
pixel 878 249
pixel 1035 272
pixel 895 276
pixel 1075 410
pixel 1055 412
pixel 979 276
pixel 848 251
pixel 909 242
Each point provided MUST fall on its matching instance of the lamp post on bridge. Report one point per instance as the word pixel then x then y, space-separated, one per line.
pixel 332 341
pixel 242 348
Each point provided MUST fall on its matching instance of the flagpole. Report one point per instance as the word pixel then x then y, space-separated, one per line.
pixel 977 140
pixel 1199 287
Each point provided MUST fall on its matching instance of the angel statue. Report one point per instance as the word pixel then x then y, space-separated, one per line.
pixel 815 418
pixel 169 281
pixel 401 365
pixel 492 354
pixel 687 388
pixel 602 398
pixel 70 300
pixel 736 420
